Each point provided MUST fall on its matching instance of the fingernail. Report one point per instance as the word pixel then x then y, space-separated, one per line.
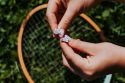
pixel 56 32
pixel 59 32
pixel 66 39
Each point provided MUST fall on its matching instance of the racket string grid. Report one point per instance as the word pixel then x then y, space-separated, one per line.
pixel 42 53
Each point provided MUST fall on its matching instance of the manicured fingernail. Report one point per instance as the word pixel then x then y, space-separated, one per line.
pixel 66 39
pixel 56 31
pixel 59 32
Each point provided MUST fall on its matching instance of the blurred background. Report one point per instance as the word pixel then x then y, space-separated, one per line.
pixel 110 16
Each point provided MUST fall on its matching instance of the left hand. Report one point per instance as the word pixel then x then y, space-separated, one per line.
pixel 60 13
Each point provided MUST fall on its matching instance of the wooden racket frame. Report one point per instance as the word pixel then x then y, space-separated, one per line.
pixel 20 35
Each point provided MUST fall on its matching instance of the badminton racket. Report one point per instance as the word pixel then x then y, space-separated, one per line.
pixel 40 55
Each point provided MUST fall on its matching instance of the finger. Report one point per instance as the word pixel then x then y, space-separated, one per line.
pixel 77 61
pixel 69 66
pixel 86 47
pixel 70 13
pixel 51 13
pixel 66 64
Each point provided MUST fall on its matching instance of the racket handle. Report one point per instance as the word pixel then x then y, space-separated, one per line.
pixel 108 78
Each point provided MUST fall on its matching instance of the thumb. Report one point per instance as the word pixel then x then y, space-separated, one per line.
pixel 86 47
pixel 68 17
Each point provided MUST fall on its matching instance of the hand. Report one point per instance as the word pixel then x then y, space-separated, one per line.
pixel 100 59
pixel 61 12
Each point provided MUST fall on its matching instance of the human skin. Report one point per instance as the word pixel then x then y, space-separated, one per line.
pixel 101 58
pixel 60 13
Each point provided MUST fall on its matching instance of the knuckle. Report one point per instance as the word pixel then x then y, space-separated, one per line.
pixel 90 70
pixel 104 44
pixel 89 73
pixel 75 42
pixel 78 43
pixel 66 22
pixel 107 44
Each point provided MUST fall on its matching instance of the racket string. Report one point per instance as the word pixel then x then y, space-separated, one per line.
pixel 35 34
pixel 42 53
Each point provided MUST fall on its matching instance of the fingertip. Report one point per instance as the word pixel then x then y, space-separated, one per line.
pixel 62 44
pixel 65 46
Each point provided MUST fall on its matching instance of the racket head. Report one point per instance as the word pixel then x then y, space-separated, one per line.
pixel 40 55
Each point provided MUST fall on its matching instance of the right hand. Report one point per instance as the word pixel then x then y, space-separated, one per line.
pixel 100 58
pixel 60 13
